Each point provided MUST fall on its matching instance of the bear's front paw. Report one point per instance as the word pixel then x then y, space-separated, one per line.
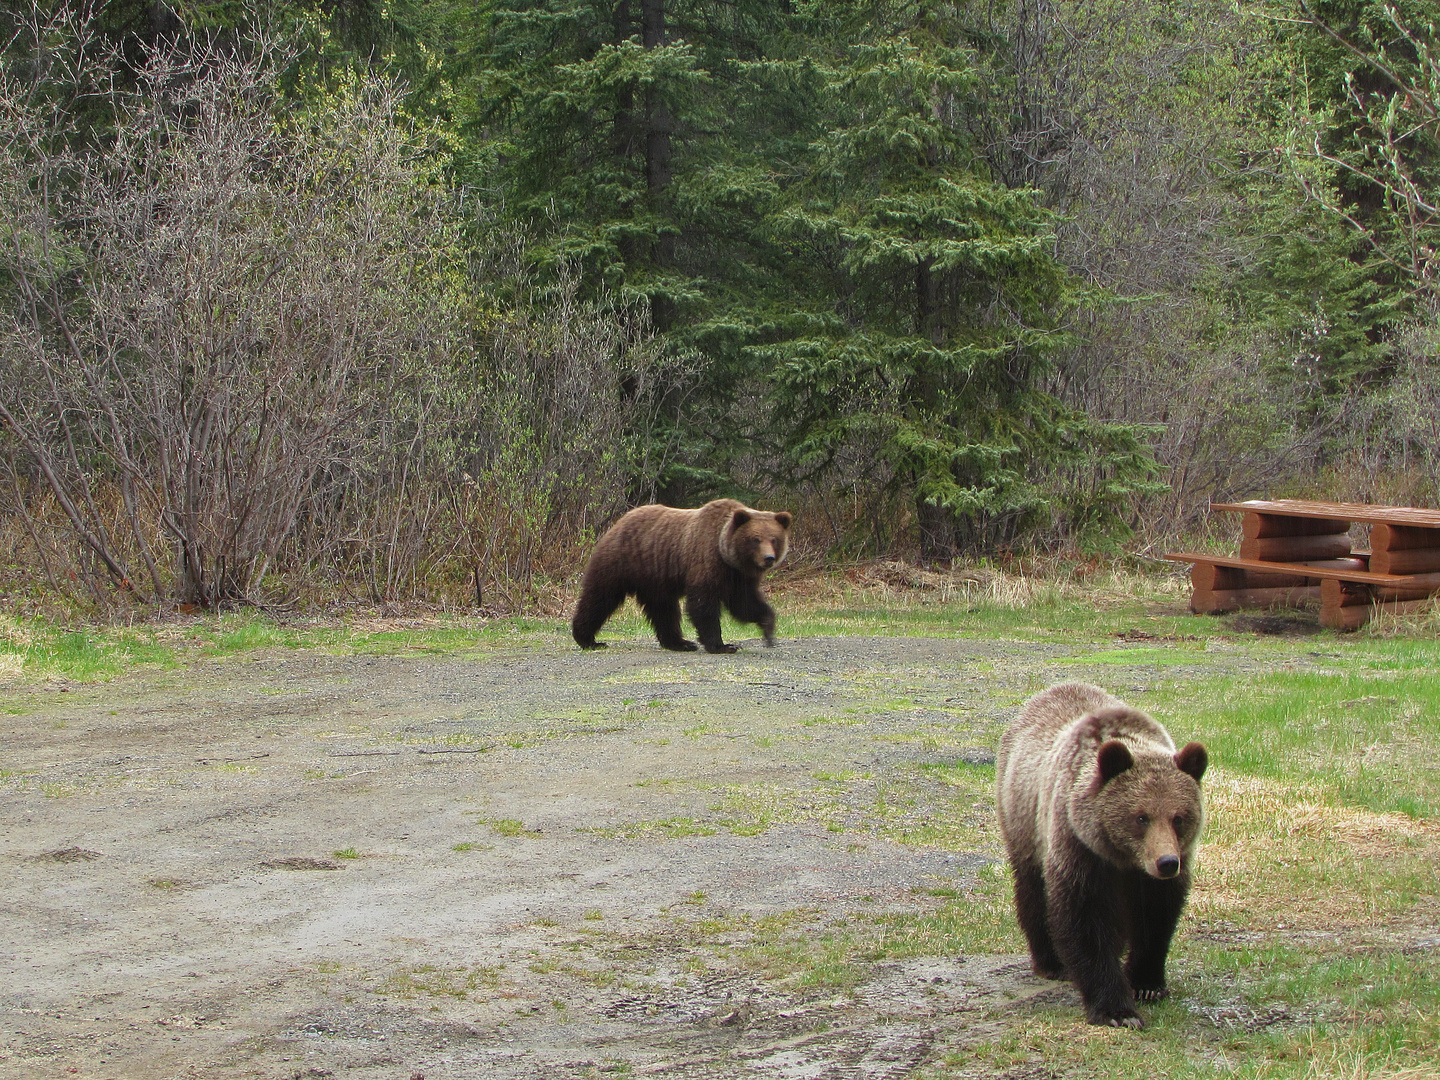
pixel 1147 980
pixel 769 641
pixel 587 646
pixel 681 646
pixel 723 647
pixel 1120 1018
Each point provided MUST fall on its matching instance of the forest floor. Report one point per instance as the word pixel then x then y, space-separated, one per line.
pixel 524 861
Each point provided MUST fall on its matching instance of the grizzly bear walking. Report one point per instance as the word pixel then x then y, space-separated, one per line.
pixel 1101 817
pixel 711 556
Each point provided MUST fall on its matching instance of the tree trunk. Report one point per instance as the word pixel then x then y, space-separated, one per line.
pixel 659 125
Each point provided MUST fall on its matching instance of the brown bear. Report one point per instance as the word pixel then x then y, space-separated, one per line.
pixel 1101 816
pixel 714 555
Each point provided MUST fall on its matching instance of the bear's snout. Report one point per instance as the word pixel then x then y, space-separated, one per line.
pixel 1167 866
pixel 769 560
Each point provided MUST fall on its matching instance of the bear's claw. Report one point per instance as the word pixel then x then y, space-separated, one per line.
pixel 1120 1018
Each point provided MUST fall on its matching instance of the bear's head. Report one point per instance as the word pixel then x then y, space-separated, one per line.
pixel 1149 806
pixel 755 540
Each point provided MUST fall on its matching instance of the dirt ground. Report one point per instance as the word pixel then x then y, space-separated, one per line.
pixel 523 863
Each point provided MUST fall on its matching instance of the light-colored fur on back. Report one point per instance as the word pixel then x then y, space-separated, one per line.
pixel 1048 753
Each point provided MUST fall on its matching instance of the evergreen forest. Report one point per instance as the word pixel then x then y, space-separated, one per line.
pixel 408 301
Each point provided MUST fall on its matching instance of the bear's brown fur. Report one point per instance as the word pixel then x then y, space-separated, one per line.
pixel 711 556
pixel 1101 817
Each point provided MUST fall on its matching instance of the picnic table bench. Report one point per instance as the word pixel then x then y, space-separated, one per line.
pixel 1296 551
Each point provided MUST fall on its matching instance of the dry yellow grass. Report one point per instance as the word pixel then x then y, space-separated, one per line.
pixel 890 583
pixel 1264 836
pixel 1354 1065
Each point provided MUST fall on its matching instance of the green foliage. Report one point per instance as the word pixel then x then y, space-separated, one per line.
pixel 802 198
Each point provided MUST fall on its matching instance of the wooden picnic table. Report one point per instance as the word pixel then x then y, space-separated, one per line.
pixel 1296 551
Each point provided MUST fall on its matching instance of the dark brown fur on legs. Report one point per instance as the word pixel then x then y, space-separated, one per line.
pixel 714 557
pixel 1101 816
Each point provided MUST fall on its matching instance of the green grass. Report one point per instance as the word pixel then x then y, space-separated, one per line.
pixel 1304 953
pixel 1363 736
pixel 667 829
pixel 509 827
pixel 37 649
pixel 435 981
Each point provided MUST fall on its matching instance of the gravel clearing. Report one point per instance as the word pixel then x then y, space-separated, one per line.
pixel 524 863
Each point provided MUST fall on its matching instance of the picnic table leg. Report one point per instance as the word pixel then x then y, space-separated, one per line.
pixel 1400 549
pixel 1344 605
pixel 1348 605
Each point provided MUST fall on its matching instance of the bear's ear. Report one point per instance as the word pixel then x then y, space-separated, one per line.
pixel 783 519
pixel 740 517
pixel 1113 758
pixel 1192 759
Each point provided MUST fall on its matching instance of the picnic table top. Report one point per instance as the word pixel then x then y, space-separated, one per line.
pixel 1363 512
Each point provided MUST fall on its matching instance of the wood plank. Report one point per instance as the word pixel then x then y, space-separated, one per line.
pixel 1351 594
pixel 1385 537
pixel 1209 576
pixel 1296 548
pixel 1356 560
pixel 1215 601
pixel 1310 570
pixel 1352 618
pixel 1401 549
pixel 1407 561
pixel 1259 526
pixel 1364 512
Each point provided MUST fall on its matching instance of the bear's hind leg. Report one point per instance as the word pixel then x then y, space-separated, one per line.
pixel 597 603
pixel 1030 910
pixel 664 615
pixel 1153 909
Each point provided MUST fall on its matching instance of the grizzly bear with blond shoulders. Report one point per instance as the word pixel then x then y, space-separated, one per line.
pixel 1101 816
pixel 712 556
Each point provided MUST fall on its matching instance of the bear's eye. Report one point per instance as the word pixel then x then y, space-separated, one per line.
pixel 1179 822
pixel 1143 820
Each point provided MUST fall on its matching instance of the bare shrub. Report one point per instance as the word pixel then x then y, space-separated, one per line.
pixel 1136 127
pixel 248 341
pixel 1391 449
pixel 520 451
pixel 571 387
pixel 214 301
